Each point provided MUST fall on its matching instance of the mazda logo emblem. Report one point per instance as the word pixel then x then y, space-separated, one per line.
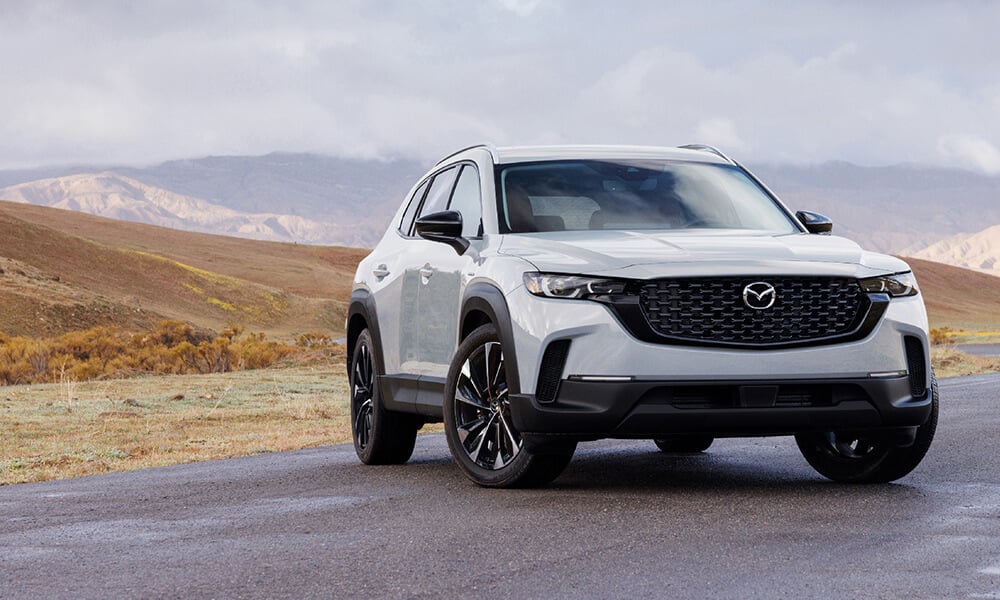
pixel 759 295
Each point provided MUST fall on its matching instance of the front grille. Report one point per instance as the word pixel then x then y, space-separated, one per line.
pixel 712 310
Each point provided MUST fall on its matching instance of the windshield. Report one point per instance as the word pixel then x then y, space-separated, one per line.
pixel 605 194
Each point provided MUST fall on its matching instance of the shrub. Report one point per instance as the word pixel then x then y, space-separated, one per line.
pixel 171 347
pixel 941 335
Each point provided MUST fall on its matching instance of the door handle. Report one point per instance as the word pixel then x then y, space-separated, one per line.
pixel 380 271
pixel 426 272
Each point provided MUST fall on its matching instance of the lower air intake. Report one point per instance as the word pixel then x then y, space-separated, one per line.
pixel 916 362
pixel 550 373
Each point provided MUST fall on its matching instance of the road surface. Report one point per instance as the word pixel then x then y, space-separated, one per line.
pixel 748 519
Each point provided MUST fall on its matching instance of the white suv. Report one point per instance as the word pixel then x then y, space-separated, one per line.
pixel 535 297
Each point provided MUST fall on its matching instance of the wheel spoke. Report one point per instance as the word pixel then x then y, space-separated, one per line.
pixel 478 441
pixel 363 423
pixel 492 366
pixel 515 443
pixel 468 393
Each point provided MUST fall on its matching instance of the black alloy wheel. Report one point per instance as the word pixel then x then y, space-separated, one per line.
pixel 478 424
pixel 381 437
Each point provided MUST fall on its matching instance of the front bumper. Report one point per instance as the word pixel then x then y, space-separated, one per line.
pixel 649 409
pixel 650 389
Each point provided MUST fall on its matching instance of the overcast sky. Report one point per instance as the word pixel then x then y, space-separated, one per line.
pixel 873 83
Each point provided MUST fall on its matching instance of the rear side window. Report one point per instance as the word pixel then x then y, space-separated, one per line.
pixel 466 200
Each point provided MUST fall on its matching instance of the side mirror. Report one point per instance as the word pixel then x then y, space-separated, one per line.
pixel 444 227
pixel 814 222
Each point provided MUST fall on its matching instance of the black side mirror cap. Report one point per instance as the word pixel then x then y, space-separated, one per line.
pixel 814 222
pixel 444 227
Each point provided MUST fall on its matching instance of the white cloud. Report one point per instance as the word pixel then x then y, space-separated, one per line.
pixel 720 132
pixel 109 82
pixel 521 8
pixel 970 151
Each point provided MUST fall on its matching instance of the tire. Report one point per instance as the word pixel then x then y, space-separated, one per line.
pixel 381 437
pixel 684 444
pixel 477 422
pixel 860 458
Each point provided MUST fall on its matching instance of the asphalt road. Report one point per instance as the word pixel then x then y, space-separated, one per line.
pixel 747 519
pixel 981 349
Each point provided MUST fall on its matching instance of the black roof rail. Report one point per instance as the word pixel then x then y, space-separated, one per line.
pixel 711 149
pixel 488 147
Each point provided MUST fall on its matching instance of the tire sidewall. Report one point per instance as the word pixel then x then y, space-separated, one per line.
pixel 507 475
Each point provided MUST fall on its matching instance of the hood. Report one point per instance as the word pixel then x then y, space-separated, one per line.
pixel 648 254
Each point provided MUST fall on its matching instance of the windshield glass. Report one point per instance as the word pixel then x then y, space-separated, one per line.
pixel 603 194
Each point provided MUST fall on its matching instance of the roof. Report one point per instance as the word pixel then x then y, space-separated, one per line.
pixel 513 154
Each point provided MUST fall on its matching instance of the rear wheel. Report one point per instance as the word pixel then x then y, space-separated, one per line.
pixel 684 444
pixel 381 437
pixel 478 425
pixel 853 457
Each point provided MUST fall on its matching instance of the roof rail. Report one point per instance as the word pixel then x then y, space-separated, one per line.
pixel 711 149
pixel 488 147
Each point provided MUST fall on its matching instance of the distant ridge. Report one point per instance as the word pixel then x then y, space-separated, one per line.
pixel 977 251
pixel 893 208
pixel 306 198
pixel 115 196
pixel 285 195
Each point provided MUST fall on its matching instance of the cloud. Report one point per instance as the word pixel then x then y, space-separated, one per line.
pixel 110 82
pixel 970 151
pixel 720 132
pixel 521 8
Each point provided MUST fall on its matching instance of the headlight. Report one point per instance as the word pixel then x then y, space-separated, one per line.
pixel 551 285
pixel 900 284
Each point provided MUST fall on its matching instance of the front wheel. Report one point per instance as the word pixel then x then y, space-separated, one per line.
pixel 478 425
pixel 867 458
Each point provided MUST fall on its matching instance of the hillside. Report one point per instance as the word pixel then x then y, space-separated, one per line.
pixel 63 270
pixel 958 298
pixel 977 251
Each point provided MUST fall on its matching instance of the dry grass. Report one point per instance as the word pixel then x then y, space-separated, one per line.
pixel 949 362
pixel 68 429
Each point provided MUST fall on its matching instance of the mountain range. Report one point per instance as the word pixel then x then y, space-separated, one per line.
pixel 303 198
pixel 978 251
pixel 315 199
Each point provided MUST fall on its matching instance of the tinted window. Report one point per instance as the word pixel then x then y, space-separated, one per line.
pixel 406 224
pixel 466 200
pixel 440 192
pixel 591 194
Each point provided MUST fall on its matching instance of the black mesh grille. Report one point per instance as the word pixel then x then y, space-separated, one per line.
pixel 551 370
pixel 916 362
pixel 713 309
